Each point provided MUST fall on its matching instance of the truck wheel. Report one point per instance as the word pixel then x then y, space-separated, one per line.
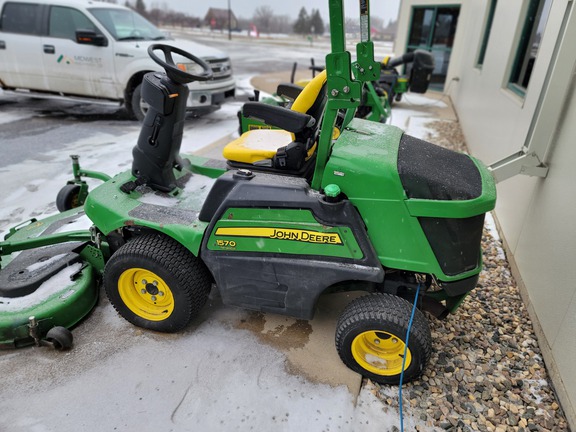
pixel 371 337
pixel 67 198
pixel 156 283
pixel 136 106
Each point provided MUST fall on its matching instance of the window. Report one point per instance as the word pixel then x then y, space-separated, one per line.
pixel 126 24
pixel 433 29
pixel 421 26
pixel 20 18
pixel 65 21
pixel 536 17
pixel 487 30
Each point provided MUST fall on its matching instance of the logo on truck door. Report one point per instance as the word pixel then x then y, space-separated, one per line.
pixel 64 59
pixel 80 60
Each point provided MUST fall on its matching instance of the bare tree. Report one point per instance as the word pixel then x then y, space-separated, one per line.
pixel 281 24
pixel 377 23
pixel 157 16
pixel 263 16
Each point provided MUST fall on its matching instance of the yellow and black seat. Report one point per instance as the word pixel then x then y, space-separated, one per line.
pixel 289 149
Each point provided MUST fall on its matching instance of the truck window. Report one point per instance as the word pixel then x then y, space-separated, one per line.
pixel 126 24
pixel 65 21
pixel 20 18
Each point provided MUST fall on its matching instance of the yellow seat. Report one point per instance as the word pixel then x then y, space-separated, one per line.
pixel 256 145
pixel 262 144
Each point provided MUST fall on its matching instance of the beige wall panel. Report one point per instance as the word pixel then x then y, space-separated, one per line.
pixel 564 351
pixel 546 249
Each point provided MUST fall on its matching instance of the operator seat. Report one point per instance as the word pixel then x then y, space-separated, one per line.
pixel 290 149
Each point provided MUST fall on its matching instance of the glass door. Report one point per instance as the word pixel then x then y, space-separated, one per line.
pixel 433 29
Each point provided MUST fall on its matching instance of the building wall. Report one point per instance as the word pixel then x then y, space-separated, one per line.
pixel 536 216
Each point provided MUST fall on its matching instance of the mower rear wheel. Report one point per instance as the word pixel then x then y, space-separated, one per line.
pixel 60 337
pixel 68 197
pixel 156 283
pixel 371 338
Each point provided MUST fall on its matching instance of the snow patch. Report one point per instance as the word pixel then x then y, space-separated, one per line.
pixel 418 126
pixel 58 285
pixel 10 117
pixel 42 264
pixel 159 200
pixel 83 223
pixel 490 224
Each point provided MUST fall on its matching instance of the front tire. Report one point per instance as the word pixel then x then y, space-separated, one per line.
pixel 156 283
pixel 371 337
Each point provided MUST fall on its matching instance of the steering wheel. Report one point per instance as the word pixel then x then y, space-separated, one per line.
pixel 173 72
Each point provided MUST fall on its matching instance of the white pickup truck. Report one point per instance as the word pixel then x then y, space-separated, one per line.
pixel 94 50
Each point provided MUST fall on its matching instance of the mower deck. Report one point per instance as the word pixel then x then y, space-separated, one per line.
pixel 55 283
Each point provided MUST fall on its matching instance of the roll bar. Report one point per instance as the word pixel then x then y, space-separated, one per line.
pixel 344 78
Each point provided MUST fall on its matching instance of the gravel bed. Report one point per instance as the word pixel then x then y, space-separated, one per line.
pixel 486 372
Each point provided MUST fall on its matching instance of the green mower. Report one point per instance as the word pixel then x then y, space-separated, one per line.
pixel 368 209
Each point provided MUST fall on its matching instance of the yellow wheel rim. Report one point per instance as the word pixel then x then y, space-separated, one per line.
pixel 380 352
pixel 146 294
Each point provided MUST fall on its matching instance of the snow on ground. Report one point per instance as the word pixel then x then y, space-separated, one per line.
pixel 212 377
pixel 9 118
pixel 58 285
pixel 34 183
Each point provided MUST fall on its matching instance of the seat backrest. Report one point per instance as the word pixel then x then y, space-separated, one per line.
pixel 312 98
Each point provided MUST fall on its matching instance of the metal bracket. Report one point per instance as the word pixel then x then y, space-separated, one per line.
pixel 518 163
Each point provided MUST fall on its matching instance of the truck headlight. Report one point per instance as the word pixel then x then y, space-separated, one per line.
pixel 191 68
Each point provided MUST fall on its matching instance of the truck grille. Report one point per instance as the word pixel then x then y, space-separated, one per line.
pixel 221 68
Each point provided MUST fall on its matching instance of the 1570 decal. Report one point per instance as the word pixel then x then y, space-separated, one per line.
pixel 306 236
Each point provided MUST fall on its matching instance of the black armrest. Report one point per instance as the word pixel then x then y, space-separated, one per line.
pixel 289 90
pixel 421 58
pixel 403 59
pixel 283 118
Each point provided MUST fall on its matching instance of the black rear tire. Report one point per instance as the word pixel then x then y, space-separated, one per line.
pixel 371 336
pixel 156 283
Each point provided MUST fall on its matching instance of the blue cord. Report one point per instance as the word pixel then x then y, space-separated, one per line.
pixel 404 358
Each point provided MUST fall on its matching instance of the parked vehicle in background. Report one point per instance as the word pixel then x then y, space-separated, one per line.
pixel 86 49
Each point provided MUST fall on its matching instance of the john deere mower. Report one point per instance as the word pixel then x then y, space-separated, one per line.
pixel 370 209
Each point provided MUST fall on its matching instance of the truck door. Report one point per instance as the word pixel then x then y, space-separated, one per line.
pixel 74 68
pixel 21 46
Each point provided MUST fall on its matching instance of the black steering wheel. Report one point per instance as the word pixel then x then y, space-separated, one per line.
pixel 173 72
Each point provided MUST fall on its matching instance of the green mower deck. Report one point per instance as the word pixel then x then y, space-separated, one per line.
pixel 55 282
